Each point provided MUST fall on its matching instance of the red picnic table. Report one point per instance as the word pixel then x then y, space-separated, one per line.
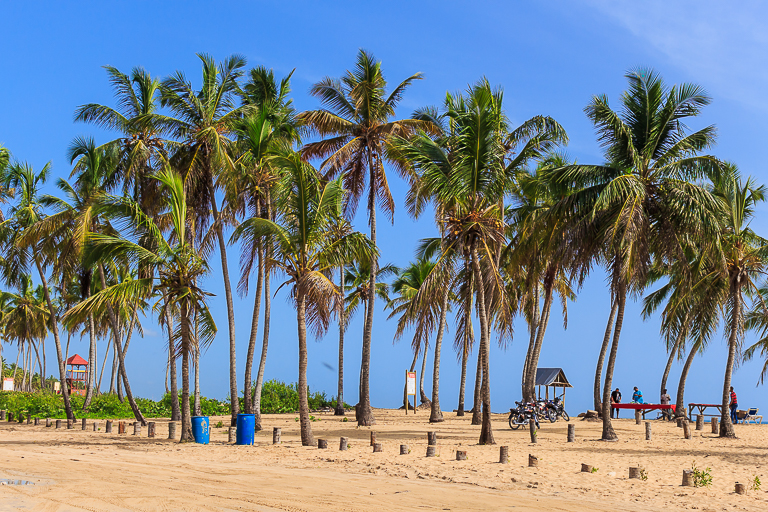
pixel 644 407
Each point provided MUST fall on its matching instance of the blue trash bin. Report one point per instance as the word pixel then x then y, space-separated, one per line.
pixel 201 429
pixel 246 425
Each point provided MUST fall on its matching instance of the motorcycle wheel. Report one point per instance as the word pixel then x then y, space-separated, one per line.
pixel 565 415
pixel 551 415
pixel 512 424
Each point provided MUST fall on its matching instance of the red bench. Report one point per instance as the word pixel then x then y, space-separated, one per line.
pixel 644 407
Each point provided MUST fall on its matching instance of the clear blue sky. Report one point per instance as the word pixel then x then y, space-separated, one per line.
pixel 550 58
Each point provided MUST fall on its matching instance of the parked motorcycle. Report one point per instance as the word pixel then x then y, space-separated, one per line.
pixel 522 414
pixel 557 410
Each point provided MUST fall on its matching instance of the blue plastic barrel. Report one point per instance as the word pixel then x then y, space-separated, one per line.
pixel 246 425
pixel 200 429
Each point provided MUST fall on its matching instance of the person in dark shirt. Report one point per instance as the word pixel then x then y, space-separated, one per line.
pixel 615 399
pixel 734 405
pixel 665 400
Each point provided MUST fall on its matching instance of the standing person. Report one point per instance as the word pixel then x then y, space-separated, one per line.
pixel 615 399
pixel 734 405
pixel 665 400
pixel 637 396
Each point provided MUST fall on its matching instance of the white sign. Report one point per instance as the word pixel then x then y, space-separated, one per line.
pixel 410 383
pixel 8 384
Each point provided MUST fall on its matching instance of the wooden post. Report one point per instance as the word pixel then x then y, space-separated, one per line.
pixel 373 438
pixel 586 468
pixel 70 424
pixel 29 418
pixel 10 416
pixel 83 423
pixel 637 416
pixel 431 438
pixel 377 447
pixel 715 430
pixel 571 432
pixel 108 428
pixel 47 422
pixel 276 431
pixel 647 430
pixel 634 472
pixel 532 428
pixel 503 454
pixel 151 429
pixel 37 421
pixel 461 455
pixel 232 436
pixel 95 426
pixel 686 429
pixel 533 461
pixel 121 427
pixel 58 423
pixel 136 428
pixel 699 422
pixel 679 422
pixel 404 450
pixel 343 444
pixel 740 488
pixel 172 430
pixel 688 478
pixel 2 415
pixel 21 417
pixel 322 444
pixel 430 451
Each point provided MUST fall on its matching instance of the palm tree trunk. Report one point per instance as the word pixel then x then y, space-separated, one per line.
pixel 436 415
pixel 422 394
pixel 608 432
pixel 234 396
pixel 175 412
pixel 91 362
pixel 186 416
pixel 16 366
pixel 463 379
pixel 364 412
pixel 476 398
pixel 469 338
pixel 307 439
pixel 54 325
pixel 672 353
pixel 264 343
pixel 601 357
pixel 680 402
pixel 121 354
pixel 101 372
pixel 726 427
pixel 541 330
pixel 39 361
pixel 114 368
pixel 534 328
pixel 247 399
pixel 342 327
pixel 196 357
pixel 486 431
pixel 69 337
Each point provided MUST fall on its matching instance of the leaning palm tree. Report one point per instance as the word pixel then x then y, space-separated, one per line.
pixel 306 253
pixel 203 121
pixel 20 252
pixel 643 201
pixel 357 121
pixel 178 268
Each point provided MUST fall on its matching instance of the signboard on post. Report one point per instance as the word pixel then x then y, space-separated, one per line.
pixel 8 384
pixel 410 390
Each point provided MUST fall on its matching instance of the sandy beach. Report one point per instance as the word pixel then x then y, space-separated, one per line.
pixel 75 470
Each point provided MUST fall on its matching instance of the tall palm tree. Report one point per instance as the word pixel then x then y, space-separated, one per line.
pixel 643 200
pixel 204 120
pixel 178 268
pixel 743 255
pixel 305 252
pixel 26 184
pixel 357 121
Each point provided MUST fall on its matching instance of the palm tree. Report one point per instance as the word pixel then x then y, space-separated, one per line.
pixel 642 202
pixel 743 256
pixel 273 125
pixel 178 269
pixel 26 184
pixel 305 252
pixel 203 121
pixel 358 122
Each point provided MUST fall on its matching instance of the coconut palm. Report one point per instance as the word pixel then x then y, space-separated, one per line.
pixel 203 122
pixel 644 200
pixel 177 270
pixel 306 253
pixel 357 121
pixel 19 252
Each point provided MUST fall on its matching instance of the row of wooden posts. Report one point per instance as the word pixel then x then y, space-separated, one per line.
pixel 121 425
